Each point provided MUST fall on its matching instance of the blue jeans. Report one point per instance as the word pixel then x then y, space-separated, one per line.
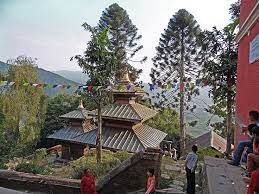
pixel 240 148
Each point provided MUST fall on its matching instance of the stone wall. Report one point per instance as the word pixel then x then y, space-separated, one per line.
pixel 131 175
pixel 38 183
pixel 127 177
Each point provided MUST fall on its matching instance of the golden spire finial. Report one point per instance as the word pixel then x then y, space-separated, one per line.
pixel 81 106
pixel 124 78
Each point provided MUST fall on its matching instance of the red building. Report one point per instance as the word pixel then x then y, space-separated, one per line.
pixel 247 97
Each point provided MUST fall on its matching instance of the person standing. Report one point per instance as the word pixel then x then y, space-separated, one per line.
pixel 88 183
pixel 151 181
pixel 190 167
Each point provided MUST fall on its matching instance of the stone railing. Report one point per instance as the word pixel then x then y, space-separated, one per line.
pixel 36 182
pixel 131 174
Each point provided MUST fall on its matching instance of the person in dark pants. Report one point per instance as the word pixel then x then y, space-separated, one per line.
pixel 190 166
pixel 253 117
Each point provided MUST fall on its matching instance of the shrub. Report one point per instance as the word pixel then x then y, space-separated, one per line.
pixel 2 166
pixel 122 155
pixel 98 170
pixel 208 152
pixel 40 157
pixel 30 168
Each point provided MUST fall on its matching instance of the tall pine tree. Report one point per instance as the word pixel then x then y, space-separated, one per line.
pixel 123 35
pixel 176 61
pixel 220 69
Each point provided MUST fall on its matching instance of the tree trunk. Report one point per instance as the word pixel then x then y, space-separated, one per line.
pixel 182 129
pixel 99 136
pixel 229 123
pixel 17 129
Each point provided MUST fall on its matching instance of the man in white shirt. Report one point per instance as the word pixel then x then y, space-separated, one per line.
pixel 190 166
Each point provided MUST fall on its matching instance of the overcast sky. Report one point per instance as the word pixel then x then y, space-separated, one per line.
pixel 51 31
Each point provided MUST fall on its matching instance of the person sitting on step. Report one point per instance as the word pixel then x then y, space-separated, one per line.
pixel 253 158
pixel 253 116
pixel 253 187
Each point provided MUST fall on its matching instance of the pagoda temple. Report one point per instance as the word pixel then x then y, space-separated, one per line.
pixel 123 125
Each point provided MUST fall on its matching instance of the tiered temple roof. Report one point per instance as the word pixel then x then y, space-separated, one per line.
pixel 80 113
pixel 123 127
pixel 128 112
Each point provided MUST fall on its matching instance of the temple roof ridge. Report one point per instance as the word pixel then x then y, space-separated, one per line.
pixel 127 112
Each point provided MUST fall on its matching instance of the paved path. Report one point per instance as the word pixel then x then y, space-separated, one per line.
pixel 9 191
pixel 223 178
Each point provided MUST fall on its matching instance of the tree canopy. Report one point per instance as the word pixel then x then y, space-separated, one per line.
pixel 99 62
pixel 177 61
pixel 220 71
pixel 124 38
pixel 22 107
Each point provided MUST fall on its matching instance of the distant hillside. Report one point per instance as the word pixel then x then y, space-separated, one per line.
pixel 202 101
pixel 76 76
pixel 46 77
pixel 3 67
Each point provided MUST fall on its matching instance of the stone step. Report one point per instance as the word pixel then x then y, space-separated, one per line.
pixel 163 191
pixel 222 177
pixel 9 191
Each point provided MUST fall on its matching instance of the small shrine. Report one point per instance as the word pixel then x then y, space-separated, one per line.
pixel 123 125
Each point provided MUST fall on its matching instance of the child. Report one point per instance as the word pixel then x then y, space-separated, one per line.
pixel 88 183
pixel 253 158
pixel 190 166
pixel 151 181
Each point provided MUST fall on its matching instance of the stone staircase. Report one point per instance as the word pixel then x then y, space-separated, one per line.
pixel 221 177
pixel 163 191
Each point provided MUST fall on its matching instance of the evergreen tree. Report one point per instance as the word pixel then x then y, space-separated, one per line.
pixel 234 11
pixel 220 71
pixel 99 63
pixel 176 61
pixel 123 35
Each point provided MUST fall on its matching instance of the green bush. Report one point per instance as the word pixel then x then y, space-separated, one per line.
pixel 30 168
pixel 208 152
pixel 21 151
pixel 165 183
pixel 2 166
pixel 98 170
pixel 122 155
pixel 40 157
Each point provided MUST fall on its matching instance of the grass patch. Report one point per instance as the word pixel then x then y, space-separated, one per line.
pixel 41 163
pixel 208 152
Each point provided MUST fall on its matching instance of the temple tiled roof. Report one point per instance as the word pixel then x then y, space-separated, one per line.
pixel 210 139
pixel 130 140
pixel 149 137
pixel 66 134
pixel 130 112
pixel 77 114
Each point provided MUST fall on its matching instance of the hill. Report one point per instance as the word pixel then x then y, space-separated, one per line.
pixel 64 77
pixel 46 77
pixel 199 114
pixel 76 76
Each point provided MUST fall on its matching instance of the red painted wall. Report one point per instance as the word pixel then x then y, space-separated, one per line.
pixel 245 9
pixel 247 97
